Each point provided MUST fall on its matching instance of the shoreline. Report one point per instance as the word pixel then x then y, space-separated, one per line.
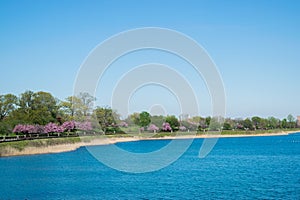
pixel 60 148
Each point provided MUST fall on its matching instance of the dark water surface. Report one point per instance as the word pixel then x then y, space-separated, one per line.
pixel 237 168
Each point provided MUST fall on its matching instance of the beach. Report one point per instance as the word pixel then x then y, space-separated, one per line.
pixel 59 148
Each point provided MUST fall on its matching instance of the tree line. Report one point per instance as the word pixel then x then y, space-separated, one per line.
pixel 33 110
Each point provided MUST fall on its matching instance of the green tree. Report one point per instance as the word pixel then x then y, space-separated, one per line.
pixel 273 122
pixel 135 118
pixel 256 121
pixel 247 123
pixel 191 126
pixel 227 126
pixel 26 101
pixel 44 108
pixel 197 119
pixel 264 123
pixel 291 120
pixel 5 128
pixel 173 121
pixel 72 107
pixel 157 120
pixel 77 107
pixel 44 100
pixel 284 123
pixel 215 124
pixel 144 119
pixel 8 104
pixel 207 121
pixel 87 102
pixel 105 117
pixel 25 105
pixel 35 108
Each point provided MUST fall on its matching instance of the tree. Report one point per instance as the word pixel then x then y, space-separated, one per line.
pixel 182 128
pixel 35 108
pixel 153 128
pixel 157 120
pixel 44 100
pixel 5 127
pixel 215 124
pixel 105 117
pixel 84 126
pixel 284 123
pixel 247 123
pixel 227 126
pixel 135 118
pixel 78 107
pixel 87 102
pixel 44 108
pixel 69 126
pixel 207 121
pixel 264 123
pixel 26 102
pixel 273 122
pixel 195 123
pixel 72 107
pixel 190 125
pixel 291 120
pixel 173 121
pixel 144 119
pixel 197 120
pixel 256 121
pixel 7 104
pixel 166 127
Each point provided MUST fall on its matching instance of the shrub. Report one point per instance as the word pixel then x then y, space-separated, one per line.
pixel 123 124
pixel 182 128
pixel 53 128
pixel 84 126
pixel 25 129
pixel 68 126
pixel 166 127
pixel 153 128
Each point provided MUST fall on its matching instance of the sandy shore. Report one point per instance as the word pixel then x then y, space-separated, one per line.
pixel 9 151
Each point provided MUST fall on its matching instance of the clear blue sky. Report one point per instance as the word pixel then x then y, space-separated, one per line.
pixel 255 45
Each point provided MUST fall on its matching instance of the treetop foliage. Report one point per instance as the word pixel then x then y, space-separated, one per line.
pixel 42 112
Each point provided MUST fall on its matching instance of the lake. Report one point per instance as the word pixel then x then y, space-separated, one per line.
pixel 237 168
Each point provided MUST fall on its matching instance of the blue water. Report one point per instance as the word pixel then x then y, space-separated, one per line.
pixel 237 168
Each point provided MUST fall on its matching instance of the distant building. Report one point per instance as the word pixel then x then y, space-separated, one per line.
pixel 298 121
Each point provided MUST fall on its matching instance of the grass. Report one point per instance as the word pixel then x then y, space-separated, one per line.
pixel 8 135
pixel 241 132
pixel 225 132
pixel 174 134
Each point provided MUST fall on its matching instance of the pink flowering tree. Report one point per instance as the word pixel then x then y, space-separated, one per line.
pixel 39 129
pixel 18 129
pixel 152 128
pixel 28 129
pixel 68 126
pixel 53 128
pixel 84 126
pixel 123 124
pixel 166 127
pixel 142 129
pixel 182 128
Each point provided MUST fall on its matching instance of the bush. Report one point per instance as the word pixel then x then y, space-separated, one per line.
pixel 5 128
pixel 152 128
pixel 114 130
pixel 166 127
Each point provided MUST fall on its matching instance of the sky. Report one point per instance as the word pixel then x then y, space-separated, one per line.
pixel 254 44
